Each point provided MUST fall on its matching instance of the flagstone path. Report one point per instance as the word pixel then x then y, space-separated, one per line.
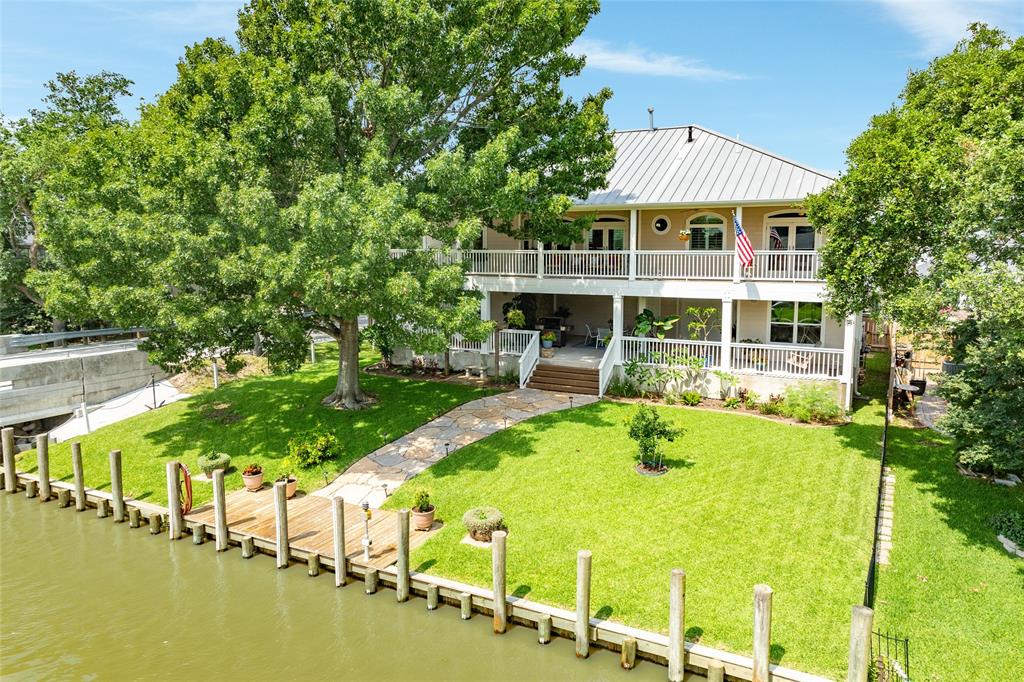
pixel 929 408
pixel 377 475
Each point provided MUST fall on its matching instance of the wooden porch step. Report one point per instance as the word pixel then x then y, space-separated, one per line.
pixel 562 388
pixel 565 379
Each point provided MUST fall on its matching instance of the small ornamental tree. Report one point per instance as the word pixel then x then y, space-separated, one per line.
pixel 648 429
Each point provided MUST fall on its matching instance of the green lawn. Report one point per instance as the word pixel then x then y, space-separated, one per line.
pixel 950 587
pixel 747 500
pixel 252 420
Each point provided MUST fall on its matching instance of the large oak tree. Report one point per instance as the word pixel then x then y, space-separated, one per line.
pixel 262 193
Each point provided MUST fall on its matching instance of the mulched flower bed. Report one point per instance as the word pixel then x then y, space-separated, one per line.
pixel 431 374
pixel 716 405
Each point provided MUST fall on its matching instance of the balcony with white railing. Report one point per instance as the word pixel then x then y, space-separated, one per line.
pixel 787 360
pixel 684 264
pixel 661 351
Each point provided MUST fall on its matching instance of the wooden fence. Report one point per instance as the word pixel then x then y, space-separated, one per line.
pixel 632 643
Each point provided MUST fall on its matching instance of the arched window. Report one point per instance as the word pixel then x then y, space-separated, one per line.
pixel 707 232
pixel 789 231
pixel 661 224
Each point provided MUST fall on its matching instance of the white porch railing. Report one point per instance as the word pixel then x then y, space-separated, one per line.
pixel 788 360
pixel 586 264
pixel 606 369
pixel 684 264
pixel 659 351
pixel 529 359
pixel 784 265
pixel 515 341
pixel 502 262
pixel 457 342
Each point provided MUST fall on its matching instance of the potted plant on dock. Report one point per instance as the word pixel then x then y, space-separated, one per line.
pixel 422 511
pixel 290 480
pixel 252 476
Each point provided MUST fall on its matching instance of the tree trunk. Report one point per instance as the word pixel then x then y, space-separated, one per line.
pixel 347 393
pixel 59 326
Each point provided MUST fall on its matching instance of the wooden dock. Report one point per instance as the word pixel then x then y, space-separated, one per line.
pixel 310 525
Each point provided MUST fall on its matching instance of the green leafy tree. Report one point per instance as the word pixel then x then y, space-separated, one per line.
pixel 263 193
pixel 648 429
pixel 32 149
pixel 927 220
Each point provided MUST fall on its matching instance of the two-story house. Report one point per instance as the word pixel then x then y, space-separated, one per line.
pixel 663 239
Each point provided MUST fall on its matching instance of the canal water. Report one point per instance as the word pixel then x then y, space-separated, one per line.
pixel 83 598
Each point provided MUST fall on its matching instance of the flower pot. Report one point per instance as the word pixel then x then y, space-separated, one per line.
pixel 423 520
pixel 253 483
pixel 547 352
pixel 290 487
pixel 547 344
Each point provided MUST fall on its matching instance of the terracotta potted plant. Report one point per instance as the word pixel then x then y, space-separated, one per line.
pixel 252 475
pixel 422 511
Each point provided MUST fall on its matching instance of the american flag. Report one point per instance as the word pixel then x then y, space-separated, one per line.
pixel 776 239
pixel 744 250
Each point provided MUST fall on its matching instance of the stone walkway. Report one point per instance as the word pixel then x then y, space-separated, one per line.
pixel 928 409
pixel 377 475
pixel 885 519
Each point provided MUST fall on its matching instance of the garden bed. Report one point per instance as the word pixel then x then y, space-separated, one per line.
pixel 716 405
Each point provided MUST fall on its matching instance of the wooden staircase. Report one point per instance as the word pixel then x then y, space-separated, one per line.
pixel 565 379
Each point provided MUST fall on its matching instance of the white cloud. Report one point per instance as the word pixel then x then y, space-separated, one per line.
pixel 939 24
pixel 631 59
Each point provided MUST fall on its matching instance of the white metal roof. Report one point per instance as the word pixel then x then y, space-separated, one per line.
pixel 659 166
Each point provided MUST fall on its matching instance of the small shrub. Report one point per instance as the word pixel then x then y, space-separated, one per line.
pixel 509 378
pixel 213 461
pixel 482 521
pixel 622 387
pixel 313 448
pixel 1010 524
pixel 516 318
pixel 732 402
pixel 774 405
pixel 750 399
pixel 252 470
pixel 691 398
pixel 422 503
pixel 648 429
pixel 811 402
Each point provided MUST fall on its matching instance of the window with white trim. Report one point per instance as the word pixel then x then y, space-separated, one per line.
pixel 661 224
pixel 795 322
pixel 707 232
pixel 789 231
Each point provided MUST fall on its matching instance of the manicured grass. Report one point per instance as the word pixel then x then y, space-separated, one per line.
pixel 950 587
pixel 746 501
pixel 252 420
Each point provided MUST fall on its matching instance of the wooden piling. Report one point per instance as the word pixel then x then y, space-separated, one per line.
pixel 116 486
pixel 248 547
pixel 134 517
pixel 313 565
pixel 677 625
pixel 155 523
pixel 860 644
pixel 220 510
pixel 372 577
pixel 281 523
pixel 174 515
pixel 627 657
pixel 340 560
pixel 716 671
pixel 198 533
pixel 43 466
pixel 582 629
pixel 465 605
pixel 762 632
pixel 102 508
pixel 63 498
pixel 10 475
pixel 498 565
pixel 432 597
pixel 31 489
pixel 544 629
pixel 76 466
pixel 402 567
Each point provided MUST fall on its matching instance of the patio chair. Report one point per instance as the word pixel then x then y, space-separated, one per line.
pixel 602 333
pixel 799 360
pixel 591 334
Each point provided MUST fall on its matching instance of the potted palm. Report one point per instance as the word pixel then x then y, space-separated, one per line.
pixel 252 476
pixel 422 511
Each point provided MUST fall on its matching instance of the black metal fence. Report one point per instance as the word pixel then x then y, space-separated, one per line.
pixel 891 657
pixel 869 582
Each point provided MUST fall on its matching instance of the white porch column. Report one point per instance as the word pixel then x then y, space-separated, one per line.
pixel 617 324
pixel 737 268
pixel 849 351
pixel 632 243
pixel 485 314
pixel 726 333
pixel 540 259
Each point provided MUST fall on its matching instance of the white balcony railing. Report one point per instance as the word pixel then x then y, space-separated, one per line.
pixel 502 262
pixel 684 264
pixel 586 264
pixel 515 341
pixel 784 265
pixel 659 351
pixel 788 360
pixel 458 343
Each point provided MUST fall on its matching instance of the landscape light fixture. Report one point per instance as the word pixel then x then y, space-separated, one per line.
pixel 570 402
pixel 366 542
pixel 446 449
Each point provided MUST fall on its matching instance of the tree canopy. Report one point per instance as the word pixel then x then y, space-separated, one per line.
pixel 924 226
pixel 263 193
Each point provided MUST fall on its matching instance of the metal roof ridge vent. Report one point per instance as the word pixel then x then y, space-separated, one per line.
pixel 689 133
pixel 650 118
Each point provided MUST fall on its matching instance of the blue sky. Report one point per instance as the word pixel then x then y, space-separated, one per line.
pixel 798 78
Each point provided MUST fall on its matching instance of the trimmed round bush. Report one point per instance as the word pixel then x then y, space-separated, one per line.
pixel 482 521
pixel 213 461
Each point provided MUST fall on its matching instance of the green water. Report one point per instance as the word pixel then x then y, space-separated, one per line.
pixel 83 598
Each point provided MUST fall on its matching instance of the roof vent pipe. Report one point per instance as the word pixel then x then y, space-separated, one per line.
pixel 650 118
pixel 689 133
